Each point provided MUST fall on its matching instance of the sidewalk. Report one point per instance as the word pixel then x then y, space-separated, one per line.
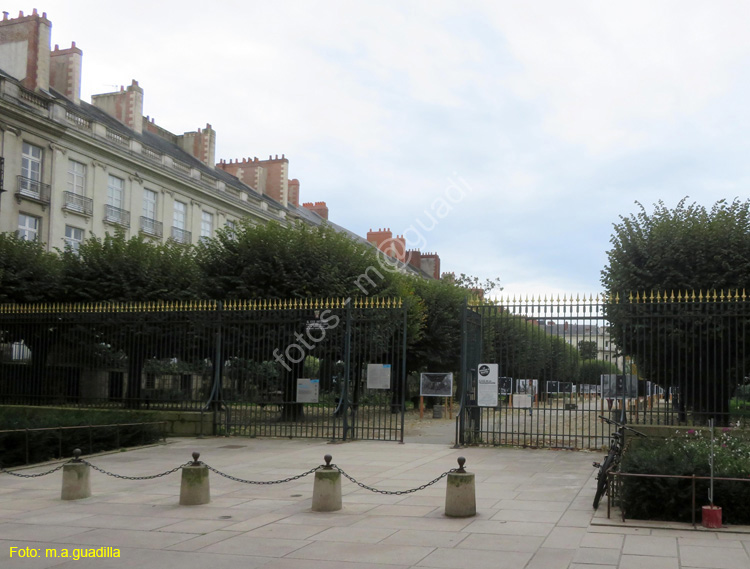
pixel 534 512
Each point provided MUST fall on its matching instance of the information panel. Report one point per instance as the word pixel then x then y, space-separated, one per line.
pixel 308 390
pixel 378 376
pixel 487 385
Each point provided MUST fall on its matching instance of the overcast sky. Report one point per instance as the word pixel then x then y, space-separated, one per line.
pixel 552 117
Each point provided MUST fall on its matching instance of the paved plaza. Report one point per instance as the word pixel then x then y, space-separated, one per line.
pixel 534 512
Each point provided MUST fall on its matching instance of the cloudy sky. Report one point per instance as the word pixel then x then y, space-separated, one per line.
pixel 506 136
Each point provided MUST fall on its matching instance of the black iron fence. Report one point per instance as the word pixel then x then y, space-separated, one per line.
pixel 651 359
pixel 312 368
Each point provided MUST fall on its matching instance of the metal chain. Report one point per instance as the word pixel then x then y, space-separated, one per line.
pixel 2 470
pixel 395 492
pixel 262 482
pixel 168 472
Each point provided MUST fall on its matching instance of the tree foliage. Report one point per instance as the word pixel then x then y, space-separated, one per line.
pixel 588 349
pixel 118 269
pixel 688 248
pixel 28 273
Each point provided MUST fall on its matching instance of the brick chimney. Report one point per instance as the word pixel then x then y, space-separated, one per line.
pixel 65 72
pixel 201 144
pixel 318 207
pixel 126 105
pixel 24 49
pixel 392 246
pixel 268 177
pixel 293 187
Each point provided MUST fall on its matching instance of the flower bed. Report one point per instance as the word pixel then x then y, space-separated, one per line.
pixel 685 454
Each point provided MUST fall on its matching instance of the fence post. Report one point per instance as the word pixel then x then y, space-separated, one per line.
pixel 403 373
pixel 91 440
pixel 27 445
pixel 460 493
pixel 194 487
pixel 347 367
pixel 76 482
pixel 327 488
pixel 59 448
pixel 693 510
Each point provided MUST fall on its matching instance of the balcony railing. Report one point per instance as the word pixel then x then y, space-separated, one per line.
pixel 181 235
pixel 151 227
pixel 78 204
pixel 116 215
pixel 33 189
pixel 78 120
pixel 117 137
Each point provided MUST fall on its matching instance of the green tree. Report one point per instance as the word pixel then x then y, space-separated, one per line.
pixel 28 273
pixel 590 371
pixel 700 347
pixel 117 269
pixel 587 349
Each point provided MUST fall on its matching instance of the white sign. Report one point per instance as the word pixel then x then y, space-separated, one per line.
pixel 487 377
pixel 378 376
pixel 308 390
pixel 522 401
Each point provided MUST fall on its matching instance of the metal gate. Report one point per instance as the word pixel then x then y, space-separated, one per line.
pixel 678 359
pixel 304 368
pixel 316 369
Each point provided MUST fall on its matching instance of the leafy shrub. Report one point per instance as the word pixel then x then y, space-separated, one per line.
pixel 685 454
pixel 38 446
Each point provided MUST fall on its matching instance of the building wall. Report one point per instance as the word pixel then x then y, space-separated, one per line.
pixel 111 138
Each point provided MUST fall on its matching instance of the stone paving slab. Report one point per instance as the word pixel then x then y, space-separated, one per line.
pixel 533 512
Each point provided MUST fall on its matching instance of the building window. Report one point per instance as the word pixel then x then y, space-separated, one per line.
pixel 73 237
pixel 115 191
pixel 28 227
pixel 149 204
pixel 180 214
pixel 207 225
pixel 76 178
pixel 31 168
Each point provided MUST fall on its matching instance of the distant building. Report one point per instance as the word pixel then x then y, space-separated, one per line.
pixel 427 264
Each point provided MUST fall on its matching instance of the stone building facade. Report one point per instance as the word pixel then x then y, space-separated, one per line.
pixel 74 169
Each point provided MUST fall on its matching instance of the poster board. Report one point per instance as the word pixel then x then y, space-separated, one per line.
pixel 436 384
pixel 308 390
pixel 505 385
pixel 487 389
pixel 527 386
pixel 619 386
pixel 378 376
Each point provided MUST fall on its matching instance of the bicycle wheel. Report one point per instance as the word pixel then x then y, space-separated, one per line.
pixel 602 480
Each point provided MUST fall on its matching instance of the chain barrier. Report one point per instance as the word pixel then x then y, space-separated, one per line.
pixel 123 477
pixel 261 482
pixel 394 492
pixel 196 462
pixel 3 471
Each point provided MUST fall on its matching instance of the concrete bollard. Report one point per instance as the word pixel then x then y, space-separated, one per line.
pixel 327 488
pixel 76 483
pixel 194 488
pixel 460 493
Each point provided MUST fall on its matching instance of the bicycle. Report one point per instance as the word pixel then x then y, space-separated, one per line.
pixel 612 460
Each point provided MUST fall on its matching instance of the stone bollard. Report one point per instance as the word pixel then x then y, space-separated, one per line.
pixel 460 493
pixel 76 483
pixel 327 488
pixel 194 488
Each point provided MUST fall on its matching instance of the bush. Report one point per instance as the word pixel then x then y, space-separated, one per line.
pixel 47 445
pixel 685 454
